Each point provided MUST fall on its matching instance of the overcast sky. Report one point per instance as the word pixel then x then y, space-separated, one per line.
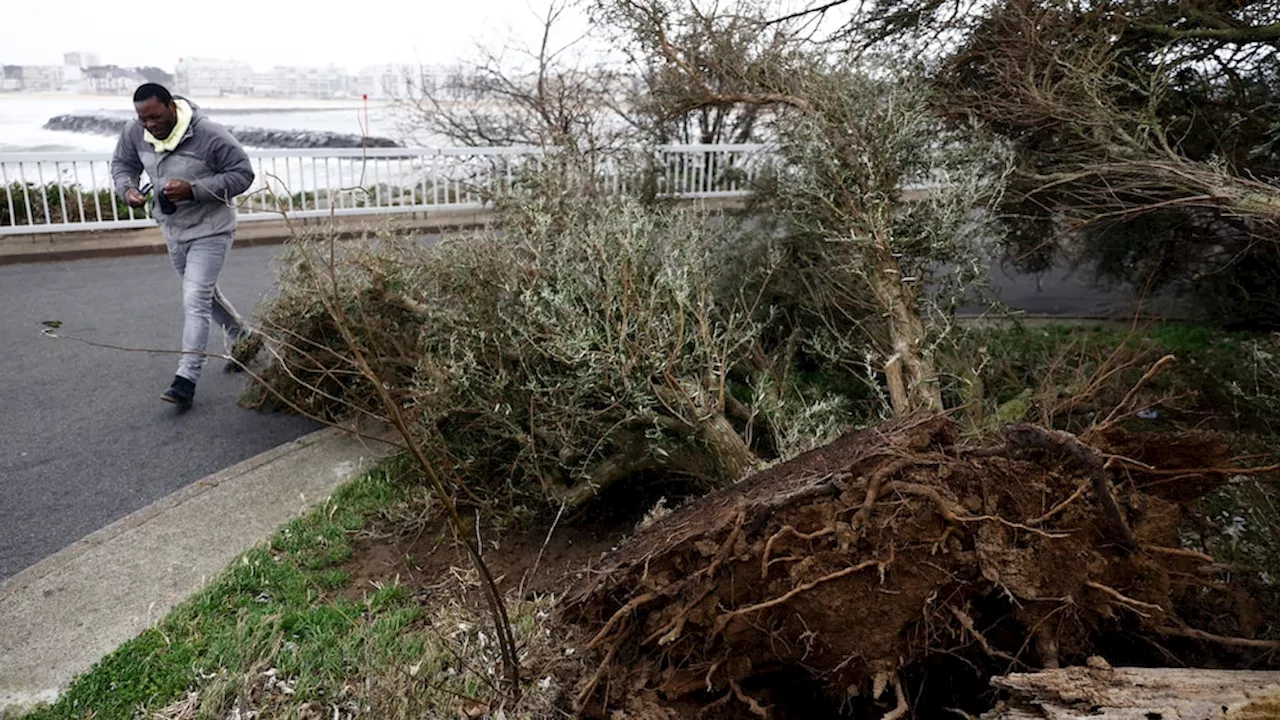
pixel 265 33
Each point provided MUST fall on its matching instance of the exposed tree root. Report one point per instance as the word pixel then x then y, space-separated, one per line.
pixel 1219 639
pixel 1025 435
pixel 724 619
pixel 767 577
pixel 787 529
pixel 1135 605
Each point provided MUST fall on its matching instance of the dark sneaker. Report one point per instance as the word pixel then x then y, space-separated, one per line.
pixel 182 392
pixel 245 345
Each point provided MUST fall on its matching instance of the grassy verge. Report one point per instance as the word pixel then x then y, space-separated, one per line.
pixel 1066 374
pixel 273 634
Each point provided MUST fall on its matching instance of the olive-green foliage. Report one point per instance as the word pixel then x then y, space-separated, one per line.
pixel 55 203
pixel 586 342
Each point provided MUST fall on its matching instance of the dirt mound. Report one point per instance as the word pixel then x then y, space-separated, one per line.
pixel 894 570
pixel 531 560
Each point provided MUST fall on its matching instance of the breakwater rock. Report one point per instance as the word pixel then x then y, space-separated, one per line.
pixel 249 136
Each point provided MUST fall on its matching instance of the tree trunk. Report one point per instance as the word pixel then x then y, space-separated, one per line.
pixel 725 454
pixel 727 447
pixel 1103 693
pixel 912 378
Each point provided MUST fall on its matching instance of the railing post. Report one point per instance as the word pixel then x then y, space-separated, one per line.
pixel 448 177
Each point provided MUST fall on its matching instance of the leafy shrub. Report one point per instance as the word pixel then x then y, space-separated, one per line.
pixel 65 203
pixel 588 342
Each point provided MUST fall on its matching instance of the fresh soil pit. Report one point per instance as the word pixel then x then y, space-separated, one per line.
pixel 540 559
pixel 894 571
pixel 423 561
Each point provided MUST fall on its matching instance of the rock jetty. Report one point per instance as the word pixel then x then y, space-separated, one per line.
pixel 251 137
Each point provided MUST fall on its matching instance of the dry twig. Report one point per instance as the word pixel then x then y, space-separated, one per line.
pixel 1136 606
pixel 1119 412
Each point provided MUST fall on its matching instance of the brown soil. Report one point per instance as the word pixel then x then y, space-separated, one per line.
pixel 894 570
pixel 427 559
pixel 1184 450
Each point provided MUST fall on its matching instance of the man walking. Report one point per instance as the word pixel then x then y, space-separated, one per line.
pixel 196 168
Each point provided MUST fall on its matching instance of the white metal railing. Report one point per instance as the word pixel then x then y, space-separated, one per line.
pixel 71 192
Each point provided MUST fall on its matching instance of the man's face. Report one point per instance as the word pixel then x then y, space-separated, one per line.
pixel 157 117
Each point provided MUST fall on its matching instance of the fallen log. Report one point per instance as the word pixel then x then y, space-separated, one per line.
pixel 1099 692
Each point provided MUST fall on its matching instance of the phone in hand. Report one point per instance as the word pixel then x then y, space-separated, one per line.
pixel 166 205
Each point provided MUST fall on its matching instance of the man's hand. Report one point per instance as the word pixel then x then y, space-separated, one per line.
pixel 176 190
pixel 135 198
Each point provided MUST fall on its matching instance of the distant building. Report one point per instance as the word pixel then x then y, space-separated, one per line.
pixel 444 82
pixel 156 75
pixel 112 80
pixel 10 78
pixel 384 81
pixel 263 84
pixel 310 82
pixel 81 60
pixel 202 77
pixel 32 78
pixel 74 68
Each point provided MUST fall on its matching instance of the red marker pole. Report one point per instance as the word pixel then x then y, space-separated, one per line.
pixel 366 114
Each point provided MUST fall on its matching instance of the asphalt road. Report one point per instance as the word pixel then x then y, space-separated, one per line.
pixel 84 437
pixel 1062 291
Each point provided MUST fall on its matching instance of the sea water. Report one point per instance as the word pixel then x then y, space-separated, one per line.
pixel 22 117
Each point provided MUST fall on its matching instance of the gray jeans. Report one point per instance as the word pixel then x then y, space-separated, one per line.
pixel 198 263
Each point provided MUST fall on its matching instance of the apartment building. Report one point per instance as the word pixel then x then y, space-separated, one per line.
pixel 82 60
pixel 205 77
pixel 311 82
pixel 32 78
pixel 111 80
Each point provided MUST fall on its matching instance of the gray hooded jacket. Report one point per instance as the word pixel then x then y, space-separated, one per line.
pixel 208 157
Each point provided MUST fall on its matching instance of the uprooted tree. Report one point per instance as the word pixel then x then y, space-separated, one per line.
pixel 592 341
pixel 592 348
pixel 853 136
pixel 584 345
pixel 862 262
pixel 896 571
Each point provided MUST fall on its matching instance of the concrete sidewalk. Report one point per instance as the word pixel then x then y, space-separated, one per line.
pixel 63 614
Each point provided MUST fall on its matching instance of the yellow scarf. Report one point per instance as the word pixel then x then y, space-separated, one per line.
pixel 179 130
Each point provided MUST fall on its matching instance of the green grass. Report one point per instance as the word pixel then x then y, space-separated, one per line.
pixel 273 607
pixel 273 634
pixel 1232 376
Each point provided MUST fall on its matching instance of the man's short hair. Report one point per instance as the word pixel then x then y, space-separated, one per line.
pixel 152 90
